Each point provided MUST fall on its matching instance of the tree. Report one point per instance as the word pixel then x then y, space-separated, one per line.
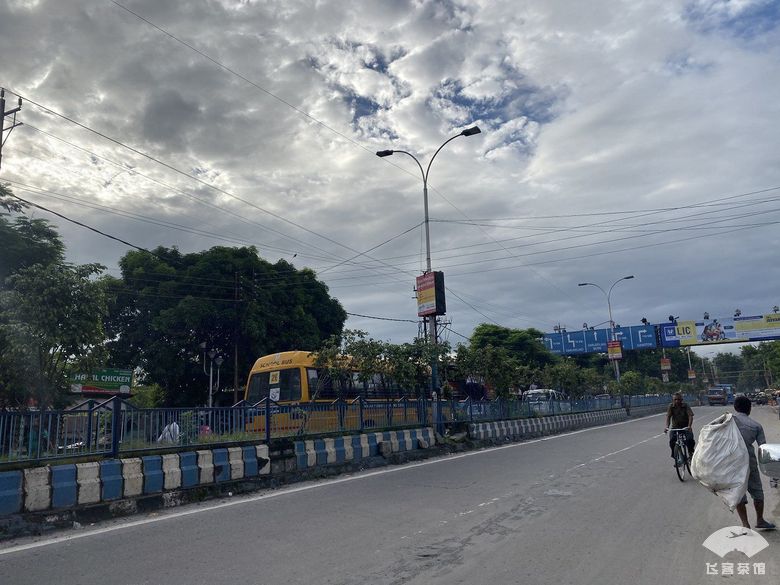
pixel 632 383
pixel 522 344
pixel 166 303
pixel 52 322
pixel 25 242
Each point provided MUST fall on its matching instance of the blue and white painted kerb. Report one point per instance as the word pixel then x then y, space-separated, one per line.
pixel 533 427
pixel 62 487
pixel 318 452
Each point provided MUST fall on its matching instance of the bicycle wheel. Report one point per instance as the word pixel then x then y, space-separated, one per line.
pixel 688 461
pixel 680 461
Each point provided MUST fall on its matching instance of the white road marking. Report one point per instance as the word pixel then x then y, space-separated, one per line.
pixel 304 488
pixel 614 452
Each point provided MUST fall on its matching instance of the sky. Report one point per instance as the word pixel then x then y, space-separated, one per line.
pixel 617 138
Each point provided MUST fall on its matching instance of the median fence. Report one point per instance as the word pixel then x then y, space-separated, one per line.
pixel 114 427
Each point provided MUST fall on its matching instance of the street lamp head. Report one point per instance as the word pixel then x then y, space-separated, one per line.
pixel 583 284
pixel 471 131
pixel 212 353
pixel 202 346
pixel 219 360
pixel 628 277
pixel 383 153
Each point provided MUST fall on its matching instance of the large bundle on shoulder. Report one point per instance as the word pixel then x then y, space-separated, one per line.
pixel 721 461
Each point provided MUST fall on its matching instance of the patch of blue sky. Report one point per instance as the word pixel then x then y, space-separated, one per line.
pixel 720 16
pixel 684 64
pixel 534 103
pixel 361 106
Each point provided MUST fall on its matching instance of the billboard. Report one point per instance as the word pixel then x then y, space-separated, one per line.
pixel 430 294
pixel 106 381
pixel 732 330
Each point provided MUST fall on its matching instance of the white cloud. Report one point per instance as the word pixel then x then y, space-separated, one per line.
pixel 585 108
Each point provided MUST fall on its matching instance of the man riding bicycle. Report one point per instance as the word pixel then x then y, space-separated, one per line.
pixel 681 417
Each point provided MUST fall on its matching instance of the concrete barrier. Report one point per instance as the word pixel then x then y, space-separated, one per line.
pixel 205 467
pixel 527 428
pixel 236 461
pixel 37 489
pixel 64 487
pixel 263 455
pixel 11 499
pixel 154 478
pixel 111 480
pixel 221 465
pixel 70 486
pixel 190 471
pixel 171 471
pixel 133 477
pixel 88 479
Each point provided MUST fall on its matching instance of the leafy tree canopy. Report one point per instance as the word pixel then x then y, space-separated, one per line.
pixel 24 242
pixel 165 304
pixel 51 322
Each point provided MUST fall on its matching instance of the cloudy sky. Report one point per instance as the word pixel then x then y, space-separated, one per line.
pixel 636 137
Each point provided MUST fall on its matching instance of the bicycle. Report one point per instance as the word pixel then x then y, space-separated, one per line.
pixel 681 460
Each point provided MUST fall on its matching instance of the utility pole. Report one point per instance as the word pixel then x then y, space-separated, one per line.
pixel 14 123
pixel 235 341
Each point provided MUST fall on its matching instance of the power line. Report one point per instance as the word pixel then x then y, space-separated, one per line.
pixel 97 231
pixel 381 318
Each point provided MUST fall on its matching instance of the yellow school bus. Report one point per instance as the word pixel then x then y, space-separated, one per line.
pixel 303 399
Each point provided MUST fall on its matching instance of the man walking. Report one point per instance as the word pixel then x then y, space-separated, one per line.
pixel 752 432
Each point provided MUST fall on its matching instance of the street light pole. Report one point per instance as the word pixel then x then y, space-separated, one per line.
pixel 383 153
pixel 213 357
pixel 611 321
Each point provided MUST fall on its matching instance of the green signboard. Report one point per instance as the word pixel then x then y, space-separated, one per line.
pixel 107 381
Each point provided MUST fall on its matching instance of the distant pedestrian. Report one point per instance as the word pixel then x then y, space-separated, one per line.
pixel 752 432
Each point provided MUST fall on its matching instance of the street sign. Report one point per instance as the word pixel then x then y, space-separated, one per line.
pixel 595 340
pixel 691 374
pixel 665 376
pixel 666 365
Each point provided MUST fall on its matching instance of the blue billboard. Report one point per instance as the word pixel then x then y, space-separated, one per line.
pixel 595 340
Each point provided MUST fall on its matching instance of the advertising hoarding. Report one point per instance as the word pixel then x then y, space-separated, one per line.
pixel 732 330
pixel 105 381
pixel 614 350
pixel 430 294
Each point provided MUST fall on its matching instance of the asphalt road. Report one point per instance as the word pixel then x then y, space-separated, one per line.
pixel 601 505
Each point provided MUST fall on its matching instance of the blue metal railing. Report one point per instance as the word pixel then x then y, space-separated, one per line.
pixel 107 429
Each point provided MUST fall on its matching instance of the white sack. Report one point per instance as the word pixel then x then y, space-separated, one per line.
pixel 721 461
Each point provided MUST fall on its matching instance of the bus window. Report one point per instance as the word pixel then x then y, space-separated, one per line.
pixel 287 383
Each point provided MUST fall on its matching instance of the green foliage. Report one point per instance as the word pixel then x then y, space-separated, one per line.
pixel 405 366
pixel 523 345
pixel 51 323
pixel 632 383
pixel 25 242
pixel 151 396
pixel 166 303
